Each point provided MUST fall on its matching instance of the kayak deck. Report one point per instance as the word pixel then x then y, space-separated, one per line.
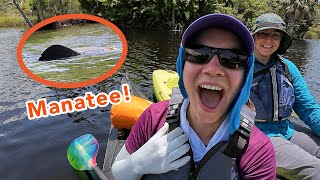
pixel 117 137
pixel 163 82
pixel 113 147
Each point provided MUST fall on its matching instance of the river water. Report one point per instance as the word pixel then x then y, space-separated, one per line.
pixel 99 47
pixel 37 149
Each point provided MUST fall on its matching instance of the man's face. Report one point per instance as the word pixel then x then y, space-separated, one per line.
pixel 266 42
pixel 212 87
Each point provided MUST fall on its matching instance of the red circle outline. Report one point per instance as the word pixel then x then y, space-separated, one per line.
pixel 75 84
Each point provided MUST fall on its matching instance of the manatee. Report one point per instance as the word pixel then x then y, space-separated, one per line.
pixel 55 52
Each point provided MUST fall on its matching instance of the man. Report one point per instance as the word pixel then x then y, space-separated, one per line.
pixel 277 89
pixel 215 66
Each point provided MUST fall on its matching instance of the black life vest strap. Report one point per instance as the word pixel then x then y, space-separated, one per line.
pixel 173 114
pixel 239 138
pixel 258 73
pixel 210 154
pixel 284 66
pixel 235 144
pixel 195 169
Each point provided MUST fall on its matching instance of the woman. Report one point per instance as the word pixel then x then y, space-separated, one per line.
pixel 277 89
pixel 215 66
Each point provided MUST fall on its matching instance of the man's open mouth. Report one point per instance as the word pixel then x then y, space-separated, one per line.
pixel 210 96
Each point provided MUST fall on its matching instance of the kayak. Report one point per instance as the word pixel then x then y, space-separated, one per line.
pixel 163 82
pixel 121 122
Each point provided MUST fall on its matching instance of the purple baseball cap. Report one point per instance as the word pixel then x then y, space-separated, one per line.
pixel 221 21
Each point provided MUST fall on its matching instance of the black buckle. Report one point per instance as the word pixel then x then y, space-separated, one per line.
pixel 245 127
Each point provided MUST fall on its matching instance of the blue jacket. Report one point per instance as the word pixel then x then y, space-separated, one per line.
pixel 305 106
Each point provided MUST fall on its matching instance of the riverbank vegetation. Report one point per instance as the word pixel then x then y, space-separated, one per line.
pixel 314 31
pixel 11 21
pixel 10 16
pixel 301 16
pixel 35 10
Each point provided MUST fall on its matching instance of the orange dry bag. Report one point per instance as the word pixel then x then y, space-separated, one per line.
pixel 125 114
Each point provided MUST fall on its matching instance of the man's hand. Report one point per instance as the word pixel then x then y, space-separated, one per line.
pixel 162 152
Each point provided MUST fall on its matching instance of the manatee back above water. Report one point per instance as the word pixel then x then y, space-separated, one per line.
pixel 55 52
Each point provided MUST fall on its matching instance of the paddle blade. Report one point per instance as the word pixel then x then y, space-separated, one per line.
pixel 82 152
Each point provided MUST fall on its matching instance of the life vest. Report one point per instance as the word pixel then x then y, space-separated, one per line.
pixel 220 161
pixel 272 92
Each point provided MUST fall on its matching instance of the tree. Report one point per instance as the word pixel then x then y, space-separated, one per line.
pixel 22 13
pixel 298 15
pixel 49 8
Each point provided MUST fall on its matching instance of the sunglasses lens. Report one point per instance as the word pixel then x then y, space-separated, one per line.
pixel 229 58
pixel 233 60
pixel 198 55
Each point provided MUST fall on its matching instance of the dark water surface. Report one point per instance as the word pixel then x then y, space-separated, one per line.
pixel 37 149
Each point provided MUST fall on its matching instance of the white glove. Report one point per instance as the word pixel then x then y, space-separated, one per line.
pixel 160 154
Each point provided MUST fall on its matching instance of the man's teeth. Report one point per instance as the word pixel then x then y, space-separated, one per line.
pixel 266 46
pixel 215 88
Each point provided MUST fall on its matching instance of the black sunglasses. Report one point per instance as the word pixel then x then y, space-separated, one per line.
pixel 229 58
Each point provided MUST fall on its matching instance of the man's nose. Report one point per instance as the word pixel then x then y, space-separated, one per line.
pixel 214 67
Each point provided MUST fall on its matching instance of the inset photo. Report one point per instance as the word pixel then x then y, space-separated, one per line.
pixel 71 51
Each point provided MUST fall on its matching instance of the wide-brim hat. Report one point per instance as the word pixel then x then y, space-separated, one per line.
pixel 273 21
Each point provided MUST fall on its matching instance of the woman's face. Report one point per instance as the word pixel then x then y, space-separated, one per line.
pixel 211 87
pixel 266 42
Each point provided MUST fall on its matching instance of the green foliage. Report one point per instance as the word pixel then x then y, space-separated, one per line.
pixel 249 10
pixel 165 14
pixel 299 15
pixel 10 16
pixel 314 30
pixel 11 21
pixel 48 8
pixel 36 10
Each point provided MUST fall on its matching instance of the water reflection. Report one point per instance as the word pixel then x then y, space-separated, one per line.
pixel 306 55
pixel 148 51
pixel 298 53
